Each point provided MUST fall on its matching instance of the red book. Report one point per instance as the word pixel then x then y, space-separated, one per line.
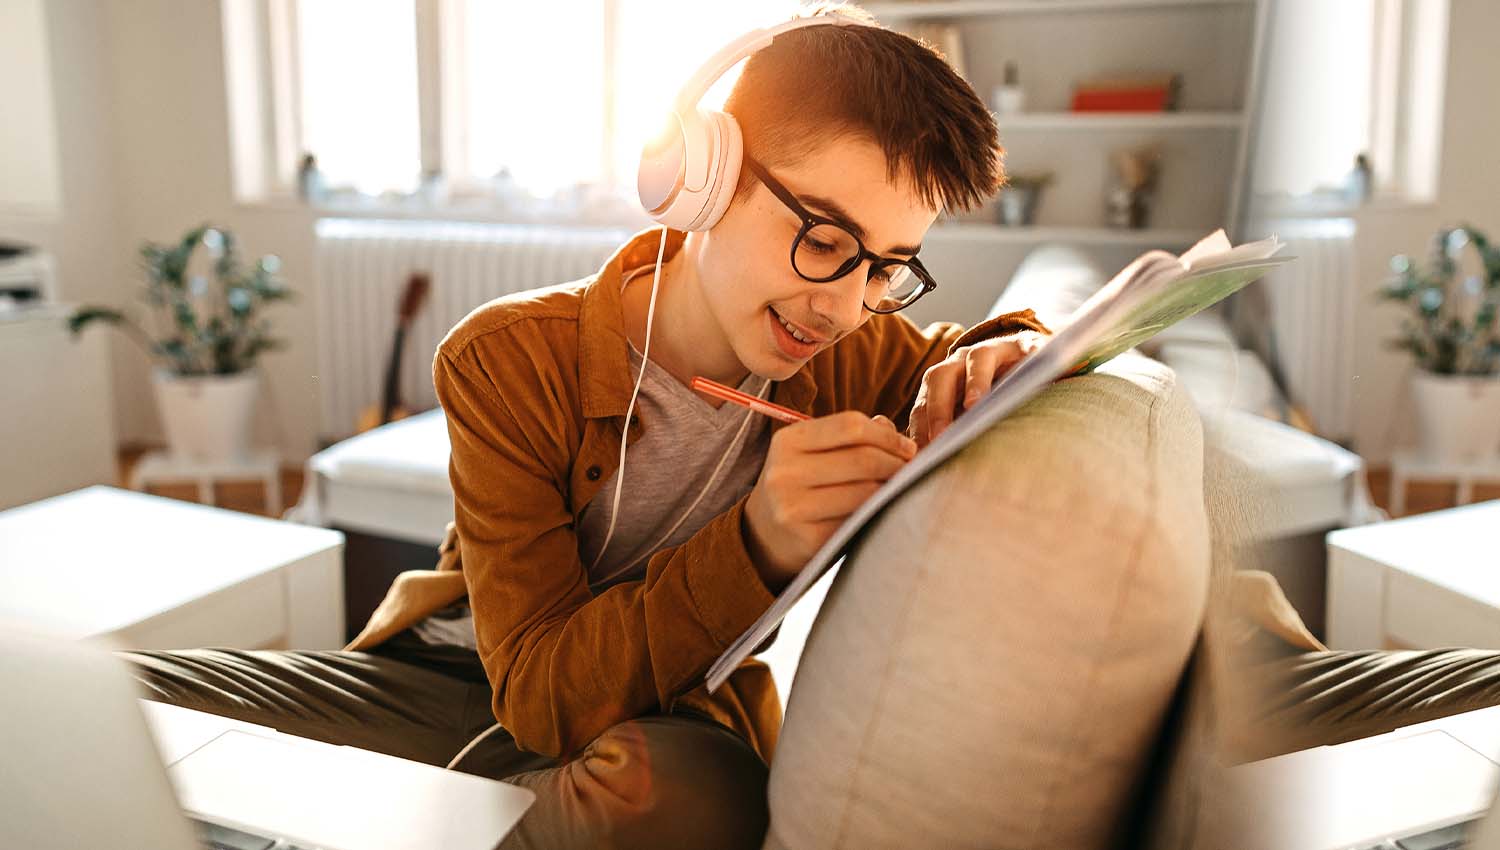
pixel 1150 99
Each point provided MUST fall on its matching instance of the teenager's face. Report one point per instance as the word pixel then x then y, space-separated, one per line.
pixel 746 267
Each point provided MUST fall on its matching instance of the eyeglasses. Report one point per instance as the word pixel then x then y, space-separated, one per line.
pixel 826 250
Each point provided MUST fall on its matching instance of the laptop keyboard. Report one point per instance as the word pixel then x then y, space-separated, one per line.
pixel 211 836
pixel 1453 837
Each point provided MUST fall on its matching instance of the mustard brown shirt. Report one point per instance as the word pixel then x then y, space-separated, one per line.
pixel 534 387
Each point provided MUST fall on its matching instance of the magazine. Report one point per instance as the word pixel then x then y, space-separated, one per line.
pixel 1154 291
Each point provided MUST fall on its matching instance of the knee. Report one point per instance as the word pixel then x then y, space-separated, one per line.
pixel 671 782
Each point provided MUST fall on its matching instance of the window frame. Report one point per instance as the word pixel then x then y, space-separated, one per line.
pixel 261 38
pixel 1403 137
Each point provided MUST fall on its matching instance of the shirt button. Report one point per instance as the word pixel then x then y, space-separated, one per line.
pixel 594 473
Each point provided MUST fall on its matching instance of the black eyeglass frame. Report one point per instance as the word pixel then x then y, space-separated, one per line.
pixel 811 219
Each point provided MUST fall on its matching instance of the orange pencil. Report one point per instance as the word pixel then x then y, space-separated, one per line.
pixel 775 411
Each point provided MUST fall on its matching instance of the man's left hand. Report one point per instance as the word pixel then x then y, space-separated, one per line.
pixel 956 384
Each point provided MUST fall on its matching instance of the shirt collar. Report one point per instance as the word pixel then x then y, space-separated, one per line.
pixel 603 350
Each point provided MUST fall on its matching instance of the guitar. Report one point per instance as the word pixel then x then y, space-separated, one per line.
pixel 390 407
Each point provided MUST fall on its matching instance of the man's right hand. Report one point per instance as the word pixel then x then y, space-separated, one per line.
pixel 816 473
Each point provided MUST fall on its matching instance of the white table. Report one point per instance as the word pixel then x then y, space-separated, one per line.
pixel 158 573
pixel 1422 582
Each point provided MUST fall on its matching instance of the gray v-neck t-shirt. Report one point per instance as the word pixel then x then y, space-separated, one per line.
pixel 683 438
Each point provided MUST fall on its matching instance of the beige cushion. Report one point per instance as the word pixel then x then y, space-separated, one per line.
pixel 992 666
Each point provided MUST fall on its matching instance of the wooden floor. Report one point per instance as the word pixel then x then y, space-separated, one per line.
pixel 246 496
pixel 1423 496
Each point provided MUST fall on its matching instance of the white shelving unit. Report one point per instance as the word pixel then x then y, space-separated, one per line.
pixel 968 8
pixel 977 232
pixel 1124 121
pixel 1214 44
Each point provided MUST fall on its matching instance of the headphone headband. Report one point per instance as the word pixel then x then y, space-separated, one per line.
pixel 741 48
pixel 687 175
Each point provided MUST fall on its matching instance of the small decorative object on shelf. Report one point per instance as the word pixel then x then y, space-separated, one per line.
pixel 1016 206
pixel 205 379
pixel 1010 98
pixel 1128 202
pixel 310 187
pixel 1453 339
pixel 1358 183
pixel 1149 93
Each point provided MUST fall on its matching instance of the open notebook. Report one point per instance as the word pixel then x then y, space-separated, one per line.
pixel 1154 291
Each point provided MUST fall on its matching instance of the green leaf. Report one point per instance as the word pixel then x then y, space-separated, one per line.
pixel 84 316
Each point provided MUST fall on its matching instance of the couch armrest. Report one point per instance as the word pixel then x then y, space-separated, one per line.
pixel 996 657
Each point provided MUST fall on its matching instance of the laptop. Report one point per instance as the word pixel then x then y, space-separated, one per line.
pixel 1421 791
pixel 83 770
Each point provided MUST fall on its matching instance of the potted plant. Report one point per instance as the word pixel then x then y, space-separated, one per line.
pixel 205 339
pixel 1452 336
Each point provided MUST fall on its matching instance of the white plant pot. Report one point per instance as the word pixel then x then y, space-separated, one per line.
pixel 1458 416
pixel 207 417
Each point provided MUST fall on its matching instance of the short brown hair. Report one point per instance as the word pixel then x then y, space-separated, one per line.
pixel 813 85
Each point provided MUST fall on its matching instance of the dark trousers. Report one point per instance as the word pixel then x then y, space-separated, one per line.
pixel 679 780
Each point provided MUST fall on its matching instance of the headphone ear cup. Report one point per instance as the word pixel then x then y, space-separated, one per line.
pixel 687 177
pixel 663 169
pixel 725 174
pixel 677 172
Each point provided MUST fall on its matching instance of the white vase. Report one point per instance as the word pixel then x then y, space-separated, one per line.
pixel 207 417
pixel 1458 416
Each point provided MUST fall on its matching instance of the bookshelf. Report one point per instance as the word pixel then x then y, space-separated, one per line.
pixel 968 8
pixel 1214 44
pixel 1124 121
pixel 983 233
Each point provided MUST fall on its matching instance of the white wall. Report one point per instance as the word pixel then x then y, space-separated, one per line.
pixel 28 143
pixel 1468 191
pixel 174 168
pixel 141 126
pixel 80 233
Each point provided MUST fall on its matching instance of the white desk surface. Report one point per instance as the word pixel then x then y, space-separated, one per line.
pixel 119 557
pixel 1454 548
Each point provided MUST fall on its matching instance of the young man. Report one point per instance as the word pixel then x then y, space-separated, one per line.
pixel 594 620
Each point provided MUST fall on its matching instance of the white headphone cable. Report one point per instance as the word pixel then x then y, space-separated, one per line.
pixel 469 746
pixel 614 509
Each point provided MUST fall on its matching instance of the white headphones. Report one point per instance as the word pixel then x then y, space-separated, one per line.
pixel 687 174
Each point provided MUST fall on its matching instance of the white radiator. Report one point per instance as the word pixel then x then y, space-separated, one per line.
pixel 363 266
pixel 1312 303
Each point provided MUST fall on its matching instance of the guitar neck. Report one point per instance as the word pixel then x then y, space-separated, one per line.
pixel 390 398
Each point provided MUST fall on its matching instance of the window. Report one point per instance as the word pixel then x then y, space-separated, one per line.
pixel 357 92
pixel 647 76
pixel 532 82
pixel 1351 77
pixel 493 103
